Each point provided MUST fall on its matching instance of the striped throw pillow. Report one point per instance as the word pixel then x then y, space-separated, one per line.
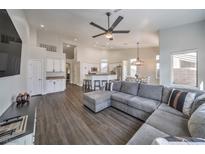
pixel 181 101
pixel 108 86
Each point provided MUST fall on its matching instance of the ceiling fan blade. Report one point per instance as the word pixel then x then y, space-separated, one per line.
pixel 95 25
pixel 99 35
pixel 117 21
pixel 121 31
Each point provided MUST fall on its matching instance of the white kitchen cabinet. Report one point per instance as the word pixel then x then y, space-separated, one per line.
pixel 63 65
pixel 49 86
pixel 49 65
pixel 55 65
pixel 56 85
pixel 61 84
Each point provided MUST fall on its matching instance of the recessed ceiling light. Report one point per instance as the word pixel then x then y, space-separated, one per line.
pixel 42 26
pixel 67 45
pixel 75 39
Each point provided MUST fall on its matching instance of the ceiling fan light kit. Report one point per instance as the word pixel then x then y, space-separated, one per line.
pixel 108 33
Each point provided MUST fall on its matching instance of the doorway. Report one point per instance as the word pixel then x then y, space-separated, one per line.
pixel 35 77
pixel 69 50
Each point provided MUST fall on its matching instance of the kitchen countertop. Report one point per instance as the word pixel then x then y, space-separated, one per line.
pixel 99 74
pixel 54 77
pixel 29 110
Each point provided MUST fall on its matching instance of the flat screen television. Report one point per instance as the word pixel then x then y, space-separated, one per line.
pixel 10 46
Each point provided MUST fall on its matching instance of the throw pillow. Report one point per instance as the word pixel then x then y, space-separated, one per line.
pixel 196 123
pixel 182 101
pixel 109 86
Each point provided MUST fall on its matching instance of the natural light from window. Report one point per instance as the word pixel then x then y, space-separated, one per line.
pixel 104 66
pixel 184 68
pixel 133 68
pixel 157 66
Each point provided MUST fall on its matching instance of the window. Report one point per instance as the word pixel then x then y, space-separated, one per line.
pixel 184 68
pixel 104 66
pixel 157 66
pixel 133 68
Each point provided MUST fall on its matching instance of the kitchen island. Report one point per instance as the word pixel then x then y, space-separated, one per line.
pixel 101 77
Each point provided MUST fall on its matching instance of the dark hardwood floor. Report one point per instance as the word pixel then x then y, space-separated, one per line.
pixel 62 119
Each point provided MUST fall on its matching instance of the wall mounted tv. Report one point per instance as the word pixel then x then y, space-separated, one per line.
pixel 10 46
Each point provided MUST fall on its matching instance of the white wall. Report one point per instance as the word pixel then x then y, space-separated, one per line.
pixel 190 36
pixel 148 55
pixel 90 55
pixel 50 39
pixel 12 85
pixel 33 36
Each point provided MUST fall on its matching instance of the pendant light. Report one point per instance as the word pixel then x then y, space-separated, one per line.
pixel 138 61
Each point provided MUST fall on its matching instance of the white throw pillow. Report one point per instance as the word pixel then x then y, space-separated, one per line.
pixel 196 123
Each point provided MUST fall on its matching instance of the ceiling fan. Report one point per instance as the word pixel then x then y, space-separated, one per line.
pixel 108 33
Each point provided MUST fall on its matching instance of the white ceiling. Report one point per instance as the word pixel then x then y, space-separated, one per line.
pixel 143 24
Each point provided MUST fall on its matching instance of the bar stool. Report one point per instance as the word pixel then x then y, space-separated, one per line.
pixel 103 82
pixel 97 84
pixel 87 85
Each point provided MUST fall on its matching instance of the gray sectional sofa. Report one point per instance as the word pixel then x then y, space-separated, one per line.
pixel 148 103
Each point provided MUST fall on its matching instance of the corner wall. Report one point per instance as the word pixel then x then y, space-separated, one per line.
pixel 189 36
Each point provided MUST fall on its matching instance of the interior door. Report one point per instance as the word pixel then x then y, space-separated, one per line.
pixel 35 77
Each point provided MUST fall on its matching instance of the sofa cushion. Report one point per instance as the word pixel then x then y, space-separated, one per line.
pixel 121 106
pixel 196 122
pixel 140 114
pixel 145 135
pixel 165 94
pixel 151 91
pixel 121 97
pixel 182 101
pixel 129 87
pixel 144 104
pixel 97 97
pixel 167 108
pixel 169 123
pixel 116 85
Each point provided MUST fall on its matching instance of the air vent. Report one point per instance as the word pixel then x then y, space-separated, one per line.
pixel 48 47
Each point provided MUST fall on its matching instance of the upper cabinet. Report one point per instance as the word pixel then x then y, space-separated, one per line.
pixel 49 65
pixel 55 65
pixel 62 65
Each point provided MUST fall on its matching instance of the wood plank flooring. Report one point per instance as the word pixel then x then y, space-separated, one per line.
pixel 63 119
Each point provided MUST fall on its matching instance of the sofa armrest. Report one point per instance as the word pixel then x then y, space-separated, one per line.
pixel 170 140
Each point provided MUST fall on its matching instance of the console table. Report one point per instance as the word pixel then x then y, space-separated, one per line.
pixel 28 138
